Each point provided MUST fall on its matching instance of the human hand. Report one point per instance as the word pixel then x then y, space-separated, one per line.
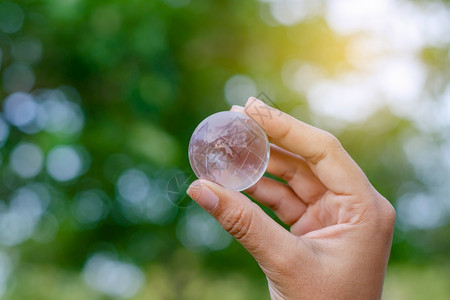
pixel 340 226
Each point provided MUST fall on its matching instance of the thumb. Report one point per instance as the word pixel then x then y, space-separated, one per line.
pixel 244 220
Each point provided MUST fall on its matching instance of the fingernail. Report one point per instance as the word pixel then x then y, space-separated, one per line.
pixel 237 108
pixel 252 100
pixel 203 196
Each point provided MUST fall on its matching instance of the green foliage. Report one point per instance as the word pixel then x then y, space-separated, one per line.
pixel 144 74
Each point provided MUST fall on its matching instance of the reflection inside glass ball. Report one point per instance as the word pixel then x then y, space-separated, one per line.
pixel 229 148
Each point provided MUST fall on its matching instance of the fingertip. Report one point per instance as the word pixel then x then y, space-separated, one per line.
pixel 205 182
pixel 223 193
pixel 217 188
pixel 200 192
pixel 237 108
pixel 251 100
pixel 194 190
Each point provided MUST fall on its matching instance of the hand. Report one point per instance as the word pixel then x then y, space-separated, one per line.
pixel 340 226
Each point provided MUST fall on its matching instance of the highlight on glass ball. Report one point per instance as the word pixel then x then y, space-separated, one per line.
pixel 229 148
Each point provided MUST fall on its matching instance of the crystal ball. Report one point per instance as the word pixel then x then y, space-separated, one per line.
pixel 230 149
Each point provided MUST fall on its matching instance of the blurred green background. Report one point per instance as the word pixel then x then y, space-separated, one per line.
pixel 99 99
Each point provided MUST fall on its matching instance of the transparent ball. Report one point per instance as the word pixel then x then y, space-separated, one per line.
pixel 230 149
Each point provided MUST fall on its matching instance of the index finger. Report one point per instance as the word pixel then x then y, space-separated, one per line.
pixel 322 151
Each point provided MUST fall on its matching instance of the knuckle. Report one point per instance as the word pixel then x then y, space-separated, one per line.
pixel 390 214
pixel 331 141
pixel 387 215
pixel 283 131
pixel 237 222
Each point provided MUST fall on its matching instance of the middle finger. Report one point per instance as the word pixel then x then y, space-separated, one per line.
pixel 296 172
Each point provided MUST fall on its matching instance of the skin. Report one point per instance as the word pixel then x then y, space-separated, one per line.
pixel 340 227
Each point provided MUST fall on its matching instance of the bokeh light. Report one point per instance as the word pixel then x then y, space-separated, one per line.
pixel 112 277
pixel 6 267
pixel 27 50
pixel 18 77
pixel 90 207
pixel 18 221
pixel 420 211
pixel 20 109
pixel 238 89
pixel 64 163
pixel 199 231
pixel 4 131
pixel 56 114
pixel 288 12
pixel 144 199
pixel 11 17
pixel 133 186
pixel 26 160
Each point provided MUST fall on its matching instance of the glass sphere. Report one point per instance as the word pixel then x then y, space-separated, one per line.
pixel 230 149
